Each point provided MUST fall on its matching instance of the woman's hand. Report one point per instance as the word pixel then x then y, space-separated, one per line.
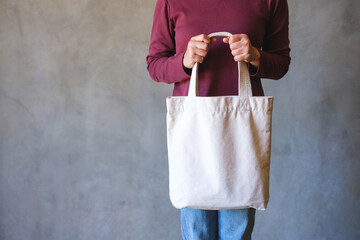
pixel 197 49
pixel 242 50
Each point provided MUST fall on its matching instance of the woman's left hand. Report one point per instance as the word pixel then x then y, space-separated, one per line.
pixel 242 50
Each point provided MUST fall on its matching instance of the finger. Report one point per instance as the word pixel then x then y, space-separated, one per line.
pixel 200 45
pixel 202 38
pixel 197 58
pixel 236 45
pixel 237 52
pixel 226 40
pixel 237 38
pixel 242 57
pixel 199 52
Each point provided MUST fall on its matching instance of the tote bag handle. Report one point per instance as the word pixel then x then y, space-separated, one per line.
pixel 243 78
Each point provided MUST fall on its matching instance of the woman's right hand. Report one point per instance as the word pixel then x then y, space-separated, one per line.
pixel 197 49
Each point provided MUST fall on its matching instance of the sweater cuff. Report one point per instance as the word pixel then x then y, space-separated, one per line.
pixel 188 71
pixel 183 72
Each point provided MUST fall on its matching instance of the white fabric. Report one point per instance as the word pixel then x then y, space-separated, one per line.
pixel 219 147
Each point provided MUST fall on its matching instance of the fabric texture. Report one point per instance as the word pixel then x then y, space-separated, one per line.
pixel 176 21
pixel 234 224
pixel 219 148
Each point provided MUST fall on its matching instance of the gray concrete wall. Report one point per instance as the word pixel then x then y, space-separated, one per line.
pixel 82 126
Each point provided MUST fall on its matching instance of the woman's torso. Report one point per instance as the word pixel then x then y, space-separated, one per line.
pixel 218 73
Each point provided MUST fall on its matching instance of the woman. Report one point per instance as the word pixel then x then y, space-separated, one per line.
pixel 179 39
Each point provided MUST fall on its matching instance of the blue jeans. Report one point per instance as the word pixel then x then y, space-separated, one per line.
pixel 233 224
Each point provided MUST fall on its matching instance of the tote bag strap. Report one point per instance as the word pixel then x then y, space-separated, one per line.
pixel 243 72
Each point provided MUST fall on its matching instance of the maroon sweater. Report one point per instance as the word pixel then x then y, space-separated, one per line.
pixel 176 21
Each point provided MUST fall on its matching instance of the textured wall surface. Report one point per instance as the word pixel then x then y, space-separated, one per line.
pixel 82 125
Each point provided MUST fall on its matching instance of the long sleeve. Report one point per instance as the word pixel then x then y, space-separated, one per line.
pixel 163 64
pixel 275 53
pixel 176 21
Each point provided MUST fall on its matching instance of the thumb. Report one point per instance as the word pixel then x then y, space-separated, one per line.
pixel 226 40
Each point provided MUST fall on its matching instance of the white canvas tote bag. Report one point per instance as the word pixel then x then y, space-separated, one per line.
pixel 219 147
